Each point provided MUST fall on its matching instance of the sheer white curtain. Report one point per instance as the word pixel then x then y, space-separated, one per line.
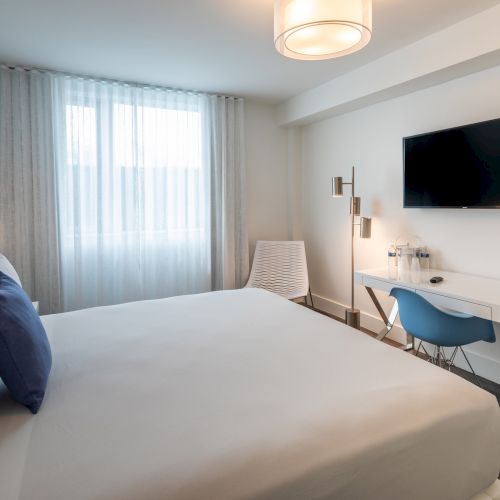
pixel 111 192
pixel 225 141
pixel 150 192
pixel 133 191
pixel 28 217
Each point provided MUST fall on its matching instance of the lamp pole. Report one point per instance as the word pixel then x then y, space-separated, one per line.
pixel 352 315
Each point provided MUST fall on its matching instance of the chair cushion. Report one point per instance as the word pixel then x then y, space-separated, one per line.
pixel 25 356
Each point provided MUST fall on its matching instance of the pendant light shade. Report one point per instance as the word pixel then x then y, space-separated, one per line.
pixel 321 29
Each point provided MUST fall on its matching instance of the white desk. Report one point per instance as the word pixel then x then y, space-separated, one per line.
pixel 457 292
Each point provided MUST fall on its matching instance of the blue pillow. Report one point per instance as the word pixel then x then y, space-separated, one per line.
pixel 25 357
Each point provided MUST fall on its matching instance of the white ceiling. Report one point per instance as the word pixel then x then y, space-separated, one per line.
pixel 223 46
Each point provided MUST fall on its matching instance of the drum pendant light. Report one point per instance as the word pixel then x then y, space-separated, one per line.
pixel 321 29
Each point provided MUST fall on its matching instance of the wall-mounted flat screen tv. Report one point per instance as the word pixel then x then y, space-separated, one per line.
pixel 454 168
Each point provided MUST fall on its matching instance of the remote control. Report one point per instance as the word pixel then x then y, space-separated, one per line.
pixel 436 279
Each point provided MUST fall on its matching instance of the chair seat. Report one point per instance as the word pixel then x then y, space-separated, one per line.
pixel 430 324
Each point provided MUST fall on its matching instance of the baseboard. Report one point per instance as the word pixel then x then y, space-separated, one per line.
pixel 368 321
pixel 485 367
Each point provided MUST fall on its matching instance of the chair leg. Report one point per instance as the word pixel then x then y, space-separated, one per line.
pixel 438 358
pixel 452 359
pixel 449 362
pixel 446 362
pixel 311 297
pixel 418 348
pixel 471 369
pixel 433 357
pixel 429 357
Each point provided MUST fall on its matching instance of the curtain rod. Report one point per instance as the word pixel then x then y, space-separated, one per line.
pixel 112 81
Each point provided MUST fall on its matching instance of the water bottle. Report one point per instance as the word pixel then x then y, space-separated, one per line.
pixel 392 263
pixel 415 269
pixel 425 263
pixel 404 262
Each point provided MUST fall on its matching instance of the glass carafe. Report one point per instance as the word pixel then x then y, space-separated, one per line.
pixel 405 254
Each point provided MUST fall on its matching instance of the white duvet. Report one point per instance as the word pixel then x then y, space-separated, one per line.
pixel 241 395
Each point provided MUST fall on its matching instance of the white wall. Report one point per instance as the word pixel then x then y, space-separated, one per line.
pixel 266 163
pixel 370 138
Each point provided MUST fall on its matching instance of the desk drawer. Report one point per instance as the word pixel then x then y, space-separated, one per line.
pixel 458 305
pixel 385 286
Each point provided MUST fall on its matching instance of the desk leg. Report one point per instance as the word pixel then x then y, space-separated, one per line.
pixel 389 321
pixel 410 343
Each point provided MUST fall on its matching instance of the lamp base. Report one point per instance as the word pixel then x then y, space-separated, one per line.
pixel 353 318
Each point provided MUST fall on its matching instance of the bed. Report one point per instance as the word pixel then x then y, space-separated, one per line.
pixel 241 395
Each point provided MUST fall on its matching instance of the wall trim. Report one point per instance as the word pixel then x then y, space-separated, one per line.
pixel 486 367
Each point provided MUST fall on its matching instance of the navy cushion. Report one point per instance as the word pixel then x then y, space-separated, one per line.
pixel 25 357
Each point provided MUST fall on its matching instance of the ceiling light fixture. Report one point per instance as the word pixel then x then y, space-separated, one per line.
pixel 321 29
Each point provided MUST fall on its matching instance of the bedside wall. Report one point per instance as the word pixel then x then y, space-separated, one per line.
pixel 266 166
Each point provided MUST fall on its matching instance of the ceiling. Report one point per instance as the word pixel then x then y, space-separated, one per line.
pixel 223 46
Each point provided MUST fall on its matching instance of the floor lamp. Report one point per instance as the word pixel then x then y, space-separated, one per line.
pixel 352 315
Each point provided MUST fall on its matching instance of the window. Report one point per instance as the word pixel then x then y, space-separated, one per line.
pixel 81 135
pixel 136 168
pixel 134 194
pixel 150 191
pixel 168 138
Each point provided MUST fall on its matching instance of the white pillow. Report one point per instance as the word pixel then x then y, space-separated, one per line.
pixel 7 268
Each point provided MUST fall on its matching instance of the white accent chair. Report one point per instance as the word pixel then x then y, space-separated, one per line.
pixel 281 267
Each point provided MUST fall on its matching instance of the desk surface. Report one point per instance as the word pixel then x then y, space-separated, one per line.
pixel 465 287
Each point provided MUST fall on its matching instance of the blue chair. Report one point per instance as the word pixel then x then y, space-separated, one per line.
pixel 442 329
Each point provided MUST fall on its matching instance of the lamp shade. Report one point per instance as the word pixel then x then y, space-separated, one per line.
pixel 355 205
pixel 321 29
pixel 365 227
pixel 337 187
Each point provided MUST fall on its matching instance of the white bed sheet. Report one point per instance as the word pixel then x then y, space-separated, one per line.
pixel 242 395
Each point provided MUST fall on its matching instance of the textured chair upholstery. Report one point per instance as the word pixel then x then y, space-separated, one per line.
pixel 280 267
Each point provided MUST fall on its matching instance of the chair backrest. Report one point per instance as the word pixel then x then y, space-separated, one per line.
pixel 426 322
pixel 280 267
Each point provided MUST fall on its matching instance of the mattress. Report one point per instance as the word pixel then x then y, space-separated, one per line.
pixel 242 395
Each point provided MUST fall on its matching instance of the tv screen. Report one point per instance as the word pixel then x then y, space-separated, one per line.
pixel 453 168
